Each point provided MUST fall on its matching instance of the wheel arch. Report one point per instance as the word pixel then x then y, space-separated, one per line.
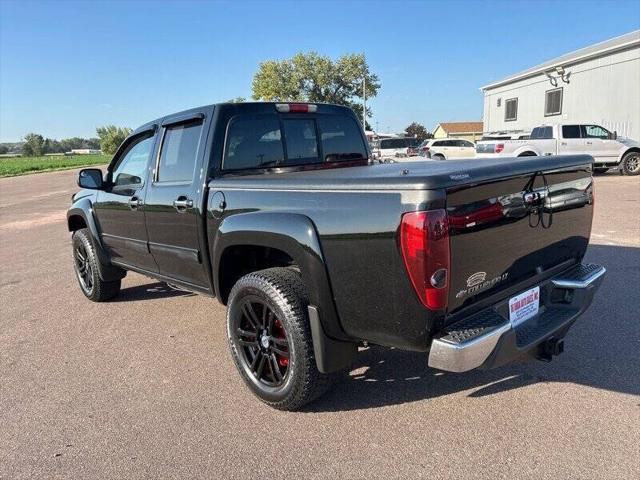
pixel 80 216
pixel 293 239
pixel 628 151
pixel 526 152
pixel 621 162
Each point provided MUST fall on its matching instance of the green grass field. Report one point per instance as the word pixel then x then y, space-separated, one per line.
pixel 11 166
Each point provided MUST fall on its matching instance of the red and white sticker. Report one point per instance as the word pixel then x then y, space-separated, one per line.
pixel 524 306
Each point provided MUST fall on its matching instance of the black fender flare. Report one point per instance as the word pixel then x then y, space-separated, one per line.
pixel 84 209
pixel 296 235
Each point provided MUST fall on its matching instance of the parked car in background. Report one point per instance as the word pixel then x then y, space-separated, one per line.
pixel 447 148
pixel 507 135
pixel 607 149
pixel 396 147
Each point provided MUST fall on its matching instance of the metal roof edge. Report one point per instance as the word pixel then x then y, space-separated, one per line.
pixel 550 66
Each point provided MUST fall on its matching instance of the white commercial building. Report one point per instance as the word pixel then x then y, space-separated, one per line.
pixel 599 84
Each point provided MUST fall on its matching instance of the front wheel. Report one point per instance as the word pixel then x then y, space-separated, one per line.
pixel 270 338
pixel 631 164
pixel 85 263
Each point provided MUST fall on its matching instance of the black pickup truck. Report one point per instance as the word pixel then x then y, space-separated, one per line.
pixel 277 211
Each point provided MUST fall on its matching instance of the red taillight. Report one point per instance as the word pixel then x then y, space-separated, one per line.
pixel 424 240
pixel 296 107
pixel 499 147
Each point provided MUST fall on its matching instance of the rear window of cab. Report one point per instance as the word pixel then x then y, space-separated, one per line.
pixel 272 140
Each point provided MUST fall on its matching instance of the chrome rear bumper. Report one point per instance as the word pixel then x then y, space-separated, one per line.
pixel 487 338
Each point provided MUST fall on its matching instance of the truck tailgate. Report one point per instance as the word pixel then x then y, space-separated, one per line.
pixel 506 230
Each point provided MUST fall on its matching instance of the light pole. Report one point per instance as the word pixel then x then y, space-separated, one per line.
pixel 364 101
pixel 364 93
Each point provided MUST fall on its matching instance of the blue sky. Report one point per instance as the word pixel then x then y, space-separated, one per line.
pixel 68 67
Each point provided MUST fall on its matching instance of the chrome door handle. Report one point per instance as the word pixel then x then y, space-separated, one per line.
pixel 589 143
pixel 134 203
pixel 182 203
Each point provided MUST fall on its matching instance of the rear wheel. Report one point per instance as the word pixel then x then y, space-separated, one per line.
pixel 631 164
pixel 86 266
pixel 270 338
pixel 438 156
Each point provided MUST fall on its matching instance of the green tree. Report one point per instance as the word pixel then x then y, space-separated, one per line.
pixel 111 137
pixel 418 131
pixel 310 77
pixel 33 145
pixel 4 149
pixel 237 100
pixel 52 145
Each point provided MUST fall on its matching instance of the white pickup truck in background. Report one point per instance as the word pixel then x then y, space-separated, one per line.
pixel 607 149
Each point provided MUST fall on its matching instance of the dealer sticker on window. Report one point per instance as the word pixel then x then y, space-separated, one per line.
pixel 524 306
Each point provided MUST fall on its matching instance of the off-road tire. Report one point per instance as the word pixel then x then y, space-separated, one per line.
pixel 283 291
pixel 630 164
pixel 84 253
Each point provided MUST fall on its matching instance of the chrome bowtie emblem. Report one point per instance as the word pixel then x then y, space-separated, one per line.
pixel 476 278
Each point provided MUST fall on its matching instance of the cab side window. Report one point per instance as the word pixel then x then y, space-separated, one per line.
pixel 179 152
pixel 130 171
pixel 570 131
pixel 595 131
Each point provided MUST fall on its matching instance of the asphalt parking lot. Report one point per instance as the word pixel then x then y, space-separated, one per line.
pixel 144 386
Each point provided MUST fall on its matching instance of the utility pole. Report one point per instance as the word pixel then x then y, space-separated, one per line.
pixel 364 95
pixel 364 102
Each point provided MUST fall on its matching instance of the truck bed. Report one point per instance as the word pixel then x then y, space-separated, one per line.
pixel 417 175
pixel 357 214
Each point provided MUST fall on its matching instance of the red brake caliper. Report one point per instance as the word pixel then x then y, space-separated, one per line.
pixel 279 331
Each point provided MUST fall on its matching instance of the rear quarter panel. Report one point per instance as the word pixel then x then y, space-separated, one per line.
pixel 358 232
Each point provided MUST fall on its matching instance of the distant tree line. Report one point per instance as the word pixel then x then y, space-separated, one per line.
pixel 34 145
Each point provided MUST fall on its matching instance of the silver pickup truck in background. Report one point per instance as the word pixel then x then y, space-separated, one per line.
pixel 607 149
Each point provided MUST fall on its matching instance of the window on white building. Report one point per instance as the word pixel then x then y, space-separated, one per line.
pixel 553 102
pixel 511 110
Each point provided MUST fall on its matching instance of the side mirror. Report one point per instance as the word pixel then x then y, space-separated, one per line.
pixel 615 135
pixel 90 178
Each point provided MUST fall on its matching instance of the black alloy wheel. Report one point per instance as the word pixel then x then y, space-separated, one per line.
pixel 263 341
pixel 84 271
pixel 270 338
pixel 87 268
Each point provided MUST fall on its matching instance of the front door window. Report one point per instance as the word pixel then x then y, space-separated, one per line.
pixel 129 172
